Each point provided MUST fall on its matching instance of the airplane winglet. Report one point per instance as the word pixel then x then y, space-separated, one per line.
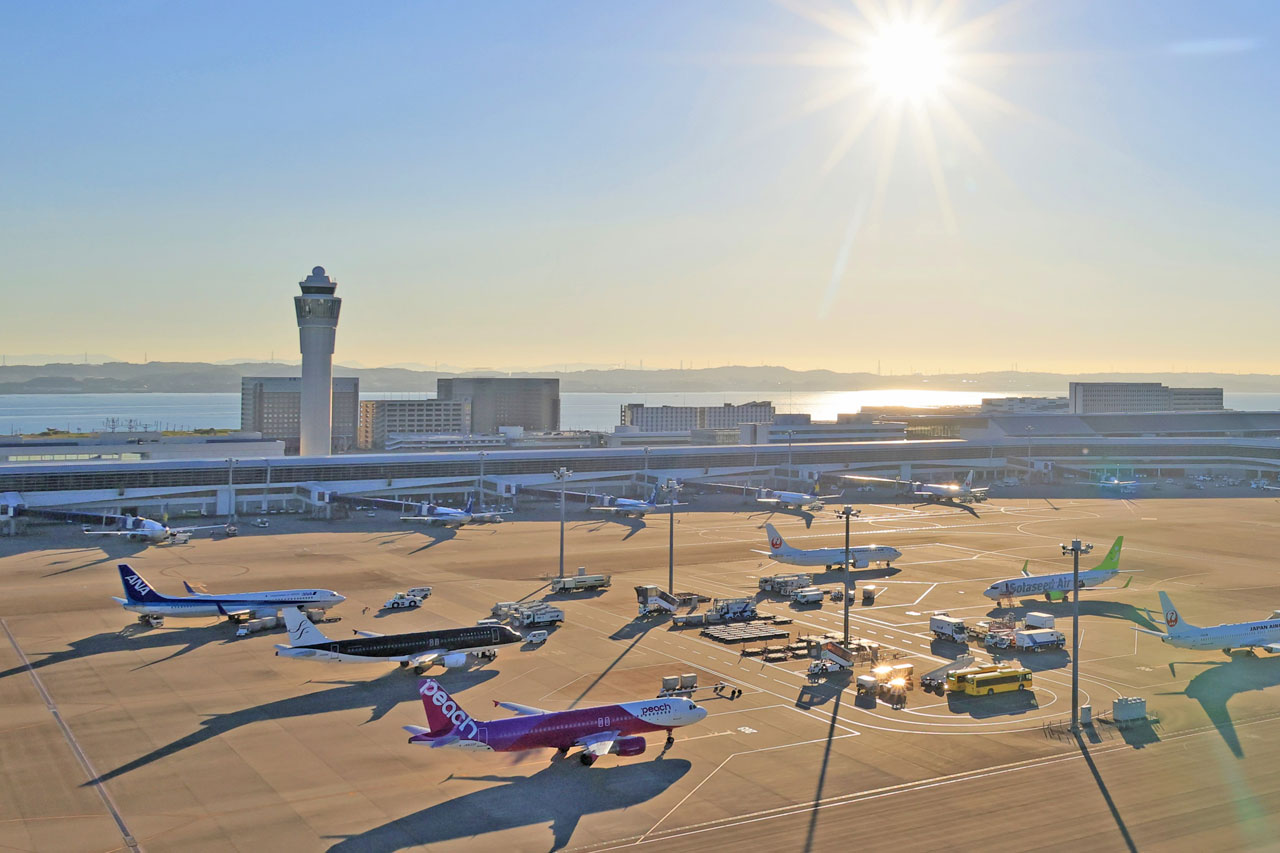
pixel 1025 573
pixel 218 604
pixel 188 588
pixel 1126 583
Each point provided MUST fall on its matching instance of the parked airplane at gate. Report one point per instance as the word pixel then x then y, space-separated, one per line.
pixel 449 647
pixel 1055 587
pixel 598 731
pixel 1263 634
pixel 139 529
pixel 142 599
pixel 964 493
pixel 626 507
pixel 444 516
pixel 860 556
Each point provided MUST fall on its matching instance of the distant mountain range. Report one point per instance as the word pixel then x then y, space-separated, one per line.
pixel 200 377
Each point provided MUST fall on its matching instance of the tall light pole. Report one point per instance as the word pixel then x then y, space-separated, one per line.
pixel 480 483
pixel 790 433
pixel 562 474
pixel 231 490
pixel 673 491
pixel 848 513
pixel 1075 549
pixel 1030 429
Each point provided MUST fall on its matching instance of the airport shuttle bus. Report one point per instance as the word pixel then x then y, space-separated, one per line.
pixel 992 682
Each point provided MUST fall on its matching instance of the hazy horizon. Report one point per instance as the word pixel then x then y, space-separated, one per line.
pixel 1090 187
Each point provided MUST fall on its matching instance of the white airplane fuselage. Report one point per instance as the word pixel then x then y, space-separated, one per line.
pixel 1045 584
pixel 259 604
pixel 1239 635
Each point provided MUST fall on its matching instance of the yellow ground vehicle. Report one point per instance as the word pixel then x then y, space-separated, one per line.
pixel 958 679
pixel 999 681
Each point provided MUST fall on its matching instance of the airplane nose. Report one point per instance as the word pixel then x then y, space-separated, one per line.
pixel 990 592
pixel 339 598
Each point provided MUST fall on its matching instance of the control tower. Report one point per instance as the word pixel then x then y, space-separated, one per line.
pixel 317 310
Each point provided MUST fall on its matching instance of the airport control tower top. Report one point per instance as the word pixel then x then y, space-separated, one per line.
pixel 318 283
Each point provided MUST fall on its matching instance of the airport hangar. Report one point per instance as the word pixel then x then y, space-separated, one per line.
pixel 176 487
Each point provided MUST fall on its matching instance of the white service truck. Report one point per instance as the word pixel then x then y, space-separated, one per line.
pixel 946 627
pixel 409 598
pixel 577 582
pixel 531 616
pixel 1038 620
pixel 808 595
pixel 1038 640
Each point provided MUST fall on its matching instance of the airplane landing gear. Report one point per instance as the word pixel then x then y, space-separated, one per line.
pixel 671 740
pixel 587 758
pixel 562 751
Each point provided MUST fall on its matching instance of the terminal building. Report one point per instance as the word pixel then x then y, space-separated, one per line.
pixel 381 419
pixel 796 429
pixel 135 447
pixel 1089 398
pixel 272 406
pixel 660 419
pixel 533 404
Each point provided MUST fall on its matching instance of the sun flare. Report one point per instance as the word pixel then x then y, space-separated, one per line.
pixel 906 61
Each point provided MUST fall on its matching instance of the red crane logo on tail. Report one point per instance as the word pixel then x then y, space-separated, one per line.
pixel 775 542
pixel 1171 618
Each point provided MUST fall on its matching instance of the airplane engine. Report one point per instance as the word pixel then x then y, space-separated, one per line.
pixel 629 746
pixel 454 661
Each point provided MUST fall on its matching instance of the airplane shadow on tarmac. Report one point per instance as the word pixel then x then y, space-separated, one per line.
pixel 1061 611
pixel 379 695
pixel 632 525
pixel 1214 687
pixel 561 794
pixel 134 638
pixel 113 552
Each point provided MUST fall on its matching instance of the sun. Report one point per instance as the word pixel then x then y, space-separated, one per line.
pixel 905 61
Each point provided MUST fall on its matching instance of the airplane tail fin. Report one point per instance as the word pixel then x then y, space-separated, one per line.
pixel 1111 562
pixel 302 631
pixel 137 590
pixel 1025 573
pixel 1172 620
pixel 968 481
pixel 471 502
pixel 776 543
pixel 444 716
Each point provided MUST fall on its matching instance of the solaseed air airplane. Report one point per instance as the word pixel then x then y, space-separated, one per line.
pixel 860 556
pixel 599 731
pixel 448 647
pixel 1055 587
pixel 140 598
pixel 1263 634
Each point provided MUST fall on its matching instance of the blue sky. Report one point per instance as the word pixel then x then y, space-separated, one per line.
pixel 534 183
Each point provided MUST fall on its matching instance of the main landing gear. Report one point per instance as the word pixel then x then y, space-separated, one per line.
pixel 671 740
pixel 587 758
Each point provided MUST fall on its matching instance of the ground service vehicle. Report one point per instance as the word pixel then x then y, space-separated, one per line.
pixel 808 595
pixel 1038 641
pixel 576 582
pixel 1003 680
pixel 946 627
pixel 402 600
pixel 958 679
pixel 536 637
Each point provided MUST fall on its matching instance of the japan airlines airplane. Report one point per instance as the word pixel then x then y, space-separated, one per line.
pixel 860 556
pixel 1055 587
pixel 599 731
pixel 448 647
pixel 141 598
pixel 1263 634
pixel 626 507
pixel 139 529
pixel 443 516
pixel 964 493
pixel 792 500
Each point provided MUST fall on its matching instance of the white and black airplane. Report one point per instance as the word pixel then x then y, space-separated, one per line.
pixel 141 598
pixel 963 493
pixel 1263 634
pixel 448 647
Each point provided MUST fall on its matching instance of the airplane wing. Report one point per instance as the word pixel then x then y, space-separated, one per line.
pixel 194 529
pixel 422 659
pixel 876 479
pixel 598 744
pixel 526 710
pixel 109 532
pixel 609 509
pixel 430 520
pixel 768 501
pixel 244 611
pixel 1271 648
pixel 1147 631
pixel 368 634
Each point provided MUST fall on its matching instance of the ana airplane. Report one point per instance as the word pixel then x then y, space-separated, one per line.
pixel 443 516
pixel 1055 587
pixel 141 598
pixel 626 507
pixel 964 493
pixel 449 647
pixel 139 529
pixel 861 556
pixel 1111 482
pixel 1264 634
pixel 598 731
